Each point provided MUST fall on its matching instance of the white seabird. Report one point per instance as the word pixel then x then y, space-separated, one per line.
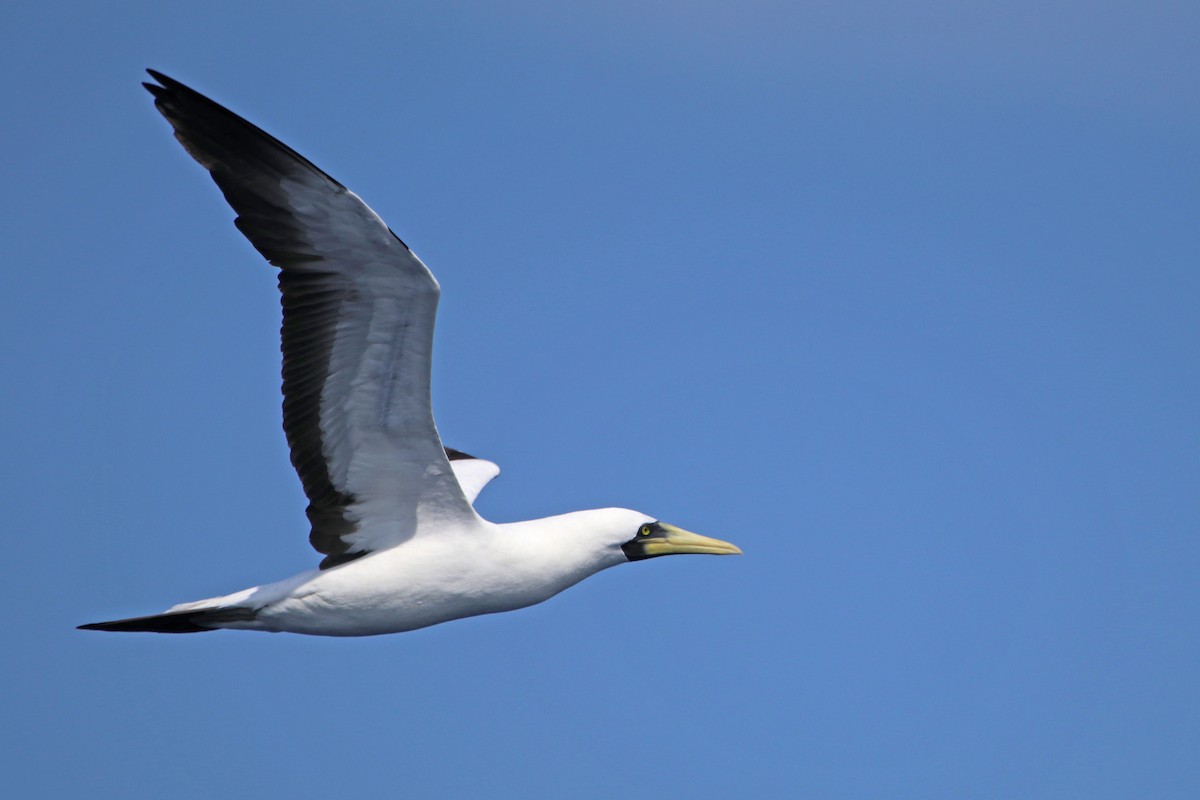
pixel 390 507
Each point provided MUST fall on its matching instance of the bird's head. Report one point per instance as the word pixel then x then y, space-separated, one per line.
pixel 632 536
pixel 654 538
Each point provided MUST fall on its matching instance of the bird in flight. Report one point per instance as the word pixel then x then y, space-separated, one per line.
pixel 390 508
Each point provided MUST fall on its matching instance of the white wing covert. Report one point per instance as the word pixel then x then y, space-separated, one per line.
pixel 473 473
pixel 357 335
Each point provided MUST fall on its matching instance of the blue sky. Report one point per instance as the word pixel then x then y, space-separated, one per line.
pixel 900 297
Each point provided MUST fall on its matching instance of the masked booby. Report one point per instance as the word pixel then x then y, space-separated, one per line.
pixel 390 508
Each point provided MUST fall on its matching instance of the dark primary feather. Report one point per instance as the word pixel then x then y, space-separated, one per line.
pixel 248 165
pixel 323 239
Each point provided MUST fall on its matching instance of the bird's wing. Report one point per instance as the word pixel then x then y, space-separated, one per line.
pixel 358 314
pixel 473 473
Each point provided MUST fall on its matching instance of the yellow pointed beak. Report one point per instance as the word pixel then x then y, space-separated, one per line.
pixel 669 541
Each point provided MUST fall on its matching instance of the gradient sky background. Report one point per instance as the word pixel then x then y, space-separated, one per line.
pixel 900 297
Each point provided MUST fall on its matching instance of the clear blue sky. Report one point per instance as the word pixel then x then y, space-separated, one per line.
pixel 901 297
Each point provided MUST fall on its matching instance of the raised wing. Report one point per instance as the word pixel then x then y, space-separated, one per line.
pixel 473 473
pixel 358 314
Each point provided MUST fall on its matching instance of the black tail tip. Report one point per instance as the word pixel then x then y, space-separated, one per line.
pixel 178 622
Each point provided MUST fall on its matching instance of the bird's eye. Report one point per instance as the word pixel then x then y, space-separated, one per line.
pixel 645 531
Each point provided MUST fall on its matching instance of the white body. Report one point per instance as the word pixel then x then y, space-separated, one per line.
pixel 481 569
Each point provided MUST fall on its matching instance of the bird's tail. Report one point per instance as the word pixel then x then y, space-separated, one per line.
pixel 184 621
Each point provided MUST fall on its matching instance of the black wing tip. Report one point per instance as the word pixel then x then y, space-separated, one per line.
pixel 169 90
pixel 165 83
pixel 190 112
pixel 167 87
